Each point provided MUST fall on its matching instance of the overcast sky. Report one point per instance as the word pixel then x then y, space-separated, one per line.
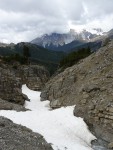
pixel 24 20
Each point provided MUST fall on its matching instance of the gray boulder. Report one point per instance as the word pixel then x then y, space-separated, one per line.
pixel 5 105
pixel 44 96
pixel 55 104
pixel 17 137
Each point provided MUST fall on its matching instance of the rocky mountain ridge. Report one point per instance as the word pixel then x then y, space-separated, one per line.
pixel 74 40
pixel 88 85
pixel 57 39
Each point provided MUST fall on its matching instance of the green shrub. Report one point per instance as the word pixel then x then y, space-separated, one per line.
pixel 15 57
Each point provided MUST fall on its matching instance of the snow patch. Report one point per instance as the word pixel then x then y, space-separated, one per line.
pixel 59 127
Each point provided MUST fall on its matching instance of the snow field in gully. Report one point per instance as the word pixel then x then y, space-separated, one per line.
pixel 59 127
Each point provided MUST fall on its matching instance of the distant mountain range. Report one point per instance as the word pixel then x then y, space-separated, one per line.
pixel 48 50
pixel 74 40
pixel 68 41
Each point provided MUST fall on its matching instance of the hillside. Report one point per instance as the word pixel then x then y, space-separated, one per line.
pixel 76 45
pixel 38 55
pixel 88 85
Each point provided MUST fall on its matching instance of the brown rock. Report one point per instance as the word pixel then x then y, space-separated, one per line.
pixel 110 145
pixel 10 86
pixel 5 105
pixel 89 86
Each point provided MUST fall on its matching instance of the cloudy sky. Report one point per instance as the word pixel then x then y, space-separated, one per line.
pixel 24 20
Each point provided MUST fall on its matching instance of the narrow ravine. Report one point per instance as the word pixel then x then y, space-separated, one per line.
pixel 59 127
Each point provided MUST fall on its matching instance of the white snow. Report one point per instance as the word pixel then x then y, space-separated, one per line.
pixel 59 127
pixel 88 37
pixel 94 31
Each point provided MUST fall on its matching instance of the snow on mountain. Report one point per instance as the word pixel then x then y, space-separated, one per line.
pixel 3 44
pixel 57 39
pixel 59 127
pixel 97 31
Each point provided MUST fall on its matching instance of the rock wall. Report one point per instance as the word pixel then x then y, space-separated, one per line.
pixel 10 86
pixel 33 76
pixel 12 77
pixel 16 137
pixel 89 86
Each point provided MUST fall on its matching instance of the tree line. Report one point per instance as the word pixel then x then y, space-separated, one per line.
pixel 21 58
pixel 73 57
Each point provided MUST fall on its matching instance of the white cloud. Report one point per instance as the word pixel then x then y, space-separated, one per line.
pixel 25 20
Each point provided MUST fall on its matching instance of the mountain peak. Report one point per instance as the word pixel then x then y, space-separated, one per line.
pixel 54 40
pixel 97 31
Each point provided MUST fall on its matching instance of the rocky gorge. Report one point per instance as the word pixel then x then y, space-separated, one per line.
pixel 89 86
pixel 12 77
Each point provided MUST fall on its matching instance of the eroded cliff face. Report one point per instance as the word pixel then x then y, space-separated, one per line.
pixel 89 86
pixel 34 76
pixel 12 77
pixel 10 86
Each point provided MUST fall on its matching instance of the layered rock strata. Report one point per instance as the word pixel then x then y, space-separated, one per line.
pixel 89 86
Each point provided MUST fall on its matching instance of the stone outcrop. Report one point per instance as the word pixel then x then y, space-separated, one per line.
pixel 89 86
pixel 12 77
pixel 16 137
pixel 5 105
pixel 34 76
pixel 10 86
